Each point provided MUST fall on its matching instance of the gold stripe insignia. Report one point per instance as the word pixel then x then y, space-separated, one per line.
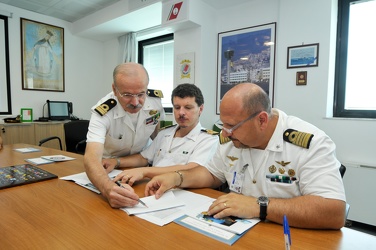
pixel 222 139
pixel 298 138
pixel 210 132
pixel 155 93
pixel 106 106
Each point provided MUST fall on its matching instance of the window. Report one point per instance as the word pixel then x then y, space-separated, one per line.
pixel 157 56
pixel 355 83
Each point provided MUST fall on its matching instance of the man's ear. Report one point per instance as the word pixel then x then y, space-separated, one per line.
pixel 263 119
pixel 201 109
pixel 113 88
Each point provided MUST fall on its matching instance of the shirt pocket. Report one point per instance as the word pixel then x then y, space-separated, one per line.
pixel 283 190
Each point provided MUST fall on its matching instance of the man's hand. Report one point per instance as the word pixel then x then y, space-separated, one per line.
pixel 235 205
pixel 120 196
pixel 161 183
pixel 131 176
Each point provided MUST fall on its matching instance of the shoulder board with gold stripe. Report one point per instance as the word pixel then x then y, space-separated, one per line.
pixel 169 126
pixel 210 132
pixel 155 93
pixel 222 139
pixel 106 106
pixel 298 138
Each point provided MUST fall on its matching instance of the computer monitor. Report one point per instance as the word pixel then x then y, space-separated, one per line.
pixel 59 110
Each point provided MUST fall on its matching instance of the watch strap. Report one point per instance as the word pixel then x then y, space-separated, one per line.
pixel 263 208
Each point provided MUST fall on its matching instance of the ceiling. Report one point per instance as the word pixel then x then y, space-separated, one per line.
pixel 68 10
pixel 75 10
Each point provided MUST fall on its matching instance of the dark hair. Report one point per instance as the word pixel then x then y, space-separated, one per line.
pixel 188 90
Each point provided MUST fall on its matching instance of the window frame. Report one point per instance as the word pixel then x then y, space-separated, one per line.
pixel 341 65
pixel 151 41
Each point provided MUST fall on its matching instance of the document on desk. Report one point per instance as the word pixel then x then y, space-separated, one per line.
pixel 191 200
pixel 167 201
pixel 82 179
pixel 27 150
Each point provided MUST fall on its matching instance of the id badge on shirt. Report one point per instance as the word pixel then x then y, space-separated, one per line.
pixel 237 180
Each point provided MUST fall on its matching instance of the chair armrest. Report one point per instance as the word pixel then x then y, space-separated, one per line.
pixel 82 144
pixel 49 139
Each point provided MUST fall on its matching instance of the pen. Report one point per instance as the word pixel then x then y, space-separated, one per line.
pixel 286 232
pixel 139 200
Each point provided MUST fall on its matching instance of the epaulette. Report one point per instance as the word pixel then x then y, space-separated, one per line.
pixel 155 93
pixel 222 139
pixel 168 126
pixel 106 106
pixel 210 132
pixel 298 138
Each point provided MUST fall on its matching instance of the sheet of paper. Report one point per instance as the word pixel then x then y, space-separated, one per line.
pixel 168 200
pixel 57 158
pixel 38 161
pixel 192 200
pixel 27 150
pixel 82 179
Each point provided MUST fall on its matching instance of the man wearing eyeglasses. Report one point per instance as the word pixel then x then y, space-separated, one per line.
pixel 275 165
pixel 122 123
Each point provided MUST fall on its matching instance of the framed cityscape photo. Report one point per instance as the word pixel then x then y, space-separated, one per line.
pixel 246 55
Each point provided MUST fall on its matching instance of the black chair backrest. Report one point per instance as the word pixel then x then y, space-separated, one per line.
pixel 75 132
pixel 342 170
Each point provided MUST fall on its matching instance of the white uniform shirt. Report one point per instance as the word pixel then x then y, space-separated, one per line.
pixel 316 169
pixel 116 131
pixel 165 150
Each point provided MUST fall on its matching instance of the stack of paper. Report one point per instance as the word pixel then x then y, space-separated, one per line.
pixel 227 230
pixel 167 201
pixel 82 179
pixel 27 150
pixel 48 159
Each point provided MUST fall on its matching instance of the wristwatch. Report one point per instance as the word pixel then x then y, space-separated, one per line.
pixel 263 201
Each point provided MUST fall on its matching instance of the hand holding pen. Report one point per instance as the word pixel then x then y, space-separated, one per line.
pixel 139 200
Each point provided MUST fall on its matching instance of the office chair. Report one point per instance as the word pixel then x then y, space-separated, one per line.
pixel 75 136
pixel 342 170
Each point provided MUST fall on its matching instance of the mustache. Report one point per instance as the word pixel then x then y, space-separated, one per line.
pixel 131 106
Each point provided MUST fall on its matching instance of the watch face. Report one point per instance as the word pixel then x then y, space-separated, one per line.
pixel 263 200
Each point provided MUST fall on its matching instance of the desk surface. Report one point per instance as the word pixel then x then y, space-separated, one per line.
pixel 58 214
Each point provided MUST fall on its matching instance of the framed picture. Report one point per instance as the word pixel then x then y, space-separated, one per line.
pixel 246 55
pixel 303 56
pixel 5 96
pixel 26 115
pixel 42 56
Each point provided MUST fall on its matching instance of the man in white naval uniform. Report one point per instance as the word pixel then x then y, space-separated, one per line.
pixel 182 146
pixel 275 165
pixel 122 123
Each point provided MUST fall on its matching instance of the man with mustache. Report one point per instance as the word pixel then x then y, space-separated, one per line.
pixel 178 147
pixel 122 123
pixel 275 165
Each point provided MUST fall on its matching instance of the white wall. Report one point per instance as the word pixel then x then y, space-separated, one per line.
pixel 84 69
pixel 89 65
pixel 298 21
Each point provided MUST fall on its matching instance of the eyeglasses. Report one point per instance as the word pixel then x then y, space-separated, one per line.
pixel 129 96
pixel 219 124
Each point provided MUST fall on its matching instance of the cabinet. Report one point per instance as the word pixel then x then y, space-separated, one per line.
pixel 33 132
pixel 360 187
pixel 18 133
